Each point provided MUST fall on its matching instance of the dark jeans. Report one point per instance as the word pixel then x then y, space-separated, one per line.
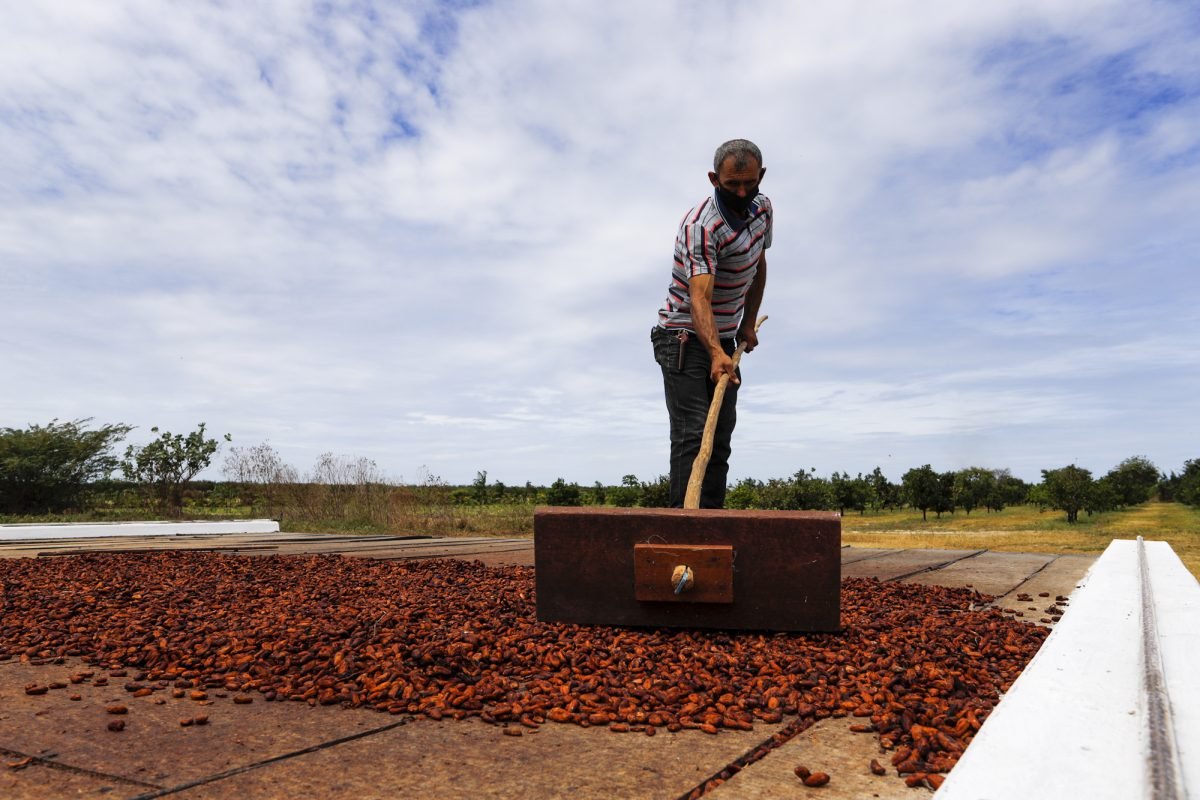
pixel 689 393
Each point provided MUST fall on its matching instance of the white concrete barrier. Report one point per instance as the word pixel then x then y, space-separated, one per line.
pixel 88 530
pixel 1110 705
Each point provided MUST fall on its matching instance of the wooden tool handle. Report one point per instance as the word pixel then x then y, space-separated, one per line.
pixel 692 498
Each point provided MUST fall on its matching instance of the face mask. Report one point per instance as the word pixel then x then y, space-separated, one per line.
pixel 739 205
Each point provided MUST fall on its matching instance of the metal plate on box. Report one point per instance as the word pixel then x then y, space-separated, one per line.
pixel 711 567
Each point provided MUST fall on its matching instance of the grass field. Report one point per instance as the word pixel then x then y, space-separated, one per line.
pixel 1018 529
pixel 1025 529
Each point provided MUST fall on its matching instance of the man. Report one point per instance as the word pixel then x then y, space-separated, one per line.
pixel 712 303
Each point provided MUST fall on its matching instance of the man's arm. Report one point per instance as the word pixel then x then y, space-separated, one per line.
pixel 700 288
pixel 754 296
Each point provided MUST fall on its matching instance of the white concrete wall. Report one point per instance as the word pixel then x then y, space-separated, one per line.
pixel 87 530
pixel 1074 723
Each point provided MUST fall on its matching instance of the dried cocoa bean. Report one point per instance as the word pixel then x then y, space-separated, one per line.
pixel 465 642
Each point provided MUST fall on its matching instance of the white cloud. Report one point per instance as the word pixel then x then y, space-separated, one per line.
pixel 439 237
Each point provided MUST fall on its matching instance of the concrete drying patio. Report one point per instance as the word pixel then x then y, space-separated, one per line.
pixel 54 747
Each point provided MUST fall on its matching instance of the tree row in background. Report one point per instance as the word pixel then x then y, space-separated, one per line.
pixel 1071 489
pixel 49 469
pixel 68 466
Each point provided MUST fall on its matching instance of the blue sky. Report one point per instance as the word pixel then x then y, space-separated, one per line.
pixel 436 234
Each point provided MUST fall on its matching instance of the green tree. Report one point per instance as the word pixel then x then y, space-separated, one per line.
pixel 810 492
pixel 45 469
pixel 626 495
pixel 804 491
pixel 777 494
pixel 973 487
pixel 656 493
pixel 166 464
pixel 562 493
pixel 884 493
pixel 944 500
pixel 851 493
pixel 1039 496
pixel 743 494
pixel 1068 489
pixel 1103 497
pixel 479 488
pixel 599 494
pixel 1188 488
pixel 921 487
pixel 1006 491
pixel 1133 480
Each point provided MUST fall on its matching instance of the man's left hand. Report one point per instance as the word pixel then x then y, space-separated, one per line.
pixel 747 335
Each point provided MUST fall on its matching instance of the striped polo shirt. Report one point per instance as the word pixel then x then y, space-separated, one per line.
pixel 712 240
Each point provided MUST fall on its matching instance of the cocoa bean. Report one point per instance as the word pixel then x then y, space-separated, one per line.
pixel 464 642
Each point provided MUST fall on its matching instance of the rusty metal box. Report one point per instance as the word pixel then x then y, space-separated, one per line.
pixel 754 570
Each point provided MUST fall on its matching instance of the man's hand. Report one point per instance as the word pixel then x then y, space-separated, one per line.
pixel 722 364
pixel 746 334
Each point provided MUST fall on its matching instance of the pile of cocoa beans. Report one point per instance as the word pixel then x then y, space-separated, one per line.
pixel 920 667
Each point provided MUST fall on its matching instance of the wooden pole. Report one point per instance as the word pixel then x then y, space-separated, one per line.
pixel 700 465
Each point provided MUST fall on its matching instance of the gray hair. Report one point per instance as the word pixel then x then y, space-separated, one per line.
pixel 741 150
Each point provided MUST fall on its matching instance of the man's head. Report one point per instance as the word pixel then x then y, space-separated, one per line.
pixel 737 171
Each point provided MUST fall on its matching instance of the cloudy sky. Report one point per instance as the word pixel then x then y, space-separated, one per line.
pixel 436 234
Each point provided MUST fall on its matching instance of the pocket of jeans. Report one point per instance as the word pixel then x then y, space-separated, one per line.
pixel 665 353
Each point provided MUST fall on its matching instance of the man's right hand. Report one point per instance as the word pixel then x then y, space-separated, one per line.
pixel 722 364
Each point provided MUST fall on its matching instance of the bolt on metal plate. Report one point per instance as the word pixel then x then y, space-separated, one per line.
pixel 711 573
